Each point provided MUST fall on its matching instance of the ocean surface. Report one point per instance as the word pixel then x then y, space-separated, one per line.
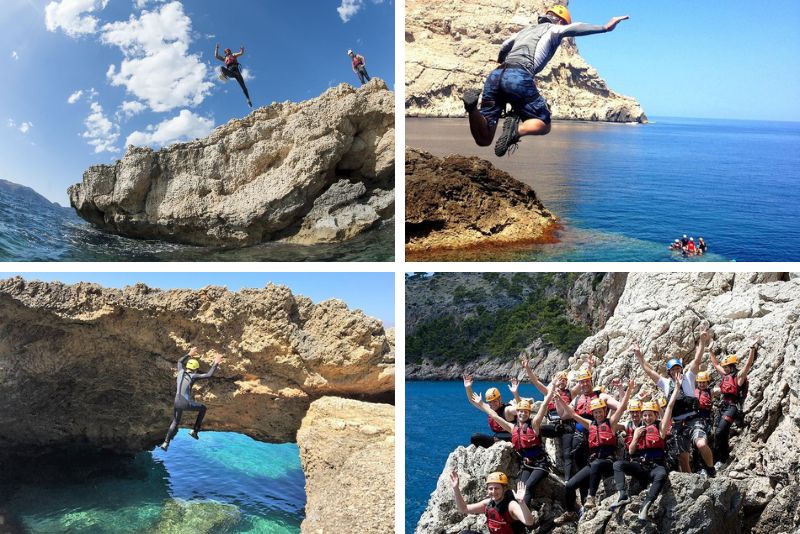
pixel 624 192
pixel 223 483
pixel 428 446
pixel 35 230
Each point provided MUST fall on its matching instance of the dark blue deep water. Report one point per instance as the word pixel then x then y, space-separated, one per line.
pixel 625 191
pixel 427 447
pixel 33 229
pixel 223 483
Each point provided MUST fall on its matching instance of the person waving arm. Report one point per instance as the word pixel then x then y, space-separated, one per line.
pixel 526 364
pixel 519 508
pixel 571 411
pixel 578 29
pixel 461 504
pixel 714 360
pixel 648 370
pixel 666 420
pixel 694 367
pixel 617 415
pixel 477 401
pixel 742 377
pixel 537 421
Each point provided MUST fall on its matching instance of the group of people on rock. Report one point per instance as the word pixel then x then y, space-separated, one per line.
pixel 664 432
pixel 688 247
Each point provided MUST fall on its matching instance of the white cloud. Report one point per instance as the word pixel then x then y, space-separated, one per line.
pixel 349 8
pixel 11 123
pixel 14 55
pixel 130 108
pixel 101 133
pixel 157 68
pixel 25 127
pixel 184 127
pixel 247 75
pixel 74 97
pixel 70 16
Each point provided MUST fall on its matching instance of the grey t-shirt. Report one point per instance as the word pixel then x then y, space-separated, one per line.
pixel 534 46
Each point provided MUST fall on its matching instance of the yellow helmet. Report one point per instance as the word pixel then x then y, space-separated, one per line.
pixel 650 407
pixel 492 394
pixel 596 404
pixel 524 405
pixel 561 12
pixel 661 402
pixel 193 364
pixel 583 374
pixel 703 376
pixel 561 375
pixel 635 406
pixel 497 478
pixel 730 359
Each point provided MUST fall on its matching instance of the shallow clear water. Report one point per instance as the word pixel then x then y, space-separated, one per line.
pixel 625 192
pixel 427 448
pixel 223 483
pixel 32 232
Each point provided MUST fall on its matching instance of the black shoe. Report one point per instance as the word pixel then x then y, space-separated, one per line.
pixel 622 500
pixel 250 104
pixel 712 472
pixel 507 142
pixel 193 433
pixel 470 99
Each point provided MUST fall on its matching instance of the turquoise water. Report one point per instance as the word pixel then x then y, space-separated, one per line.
pixel 427 448
pixel 624 192
pixel 223 483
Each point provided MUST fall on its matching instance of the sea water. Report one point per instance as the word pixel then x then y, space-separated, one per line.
pixel 439 419
pixel 223 483
pixel 625 191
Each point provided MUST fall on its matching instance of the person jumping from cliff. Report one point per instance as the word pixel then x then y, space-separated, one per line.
pixel 506 511
pixel 506 411
pixel 513 82
pixel 183 396
pixel 231 69
pixel 359 66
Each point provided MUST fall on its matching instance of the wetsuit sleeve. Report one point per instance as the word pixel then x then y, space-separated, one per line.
pixel 182 361
pixel 577 29
pixel 209 374
pixel 505 48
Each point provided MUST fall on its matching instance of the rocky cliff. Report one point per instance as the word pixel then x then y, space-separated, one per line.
pixel 101 362
pixel 347 450
pixel 309 172
pixel 452 46
pixel 589 299
pixel 459 203
pixel 665 312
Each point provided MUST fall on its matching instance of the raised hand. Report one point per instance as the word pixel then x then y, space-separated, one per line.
pixel 477 398
pixel 193 351
pixel 590 360
pixel 757 343
pixel 519 495
pixel 616 20
pixel 218 359
pixel 705 336
pixel 467 380
pixel 454 479
pixel 514 385
pixel 525 362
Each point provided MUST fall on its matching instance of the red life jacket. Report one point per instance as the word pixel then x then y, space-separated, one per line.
pixel 357 61
pixel 704 396
pixel 494 425
pixel 629 428
pixel 731 391
pixel 651 440
pixel 565 394
pixel 525 438
pixel 498 518
pixel 231 60
pixel 582 405
pixel 601 435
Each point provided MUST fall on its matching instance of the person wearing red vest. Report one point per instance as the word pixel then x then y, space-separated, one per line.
pixel 232 69
pixel 647 450
pixel 635 414
pixel 359 66
pixel 495 400
pixel 526 439
pixel 734 390
pixel 506 511
pixel 602 441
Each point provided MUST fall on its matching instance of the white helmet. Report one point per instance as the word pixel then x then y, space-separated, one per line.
pixel 349 52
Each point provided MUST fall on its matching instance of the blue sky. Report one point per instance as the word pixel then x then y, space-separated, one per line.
pixel 372 293
pixel 715 59
pixel 82 77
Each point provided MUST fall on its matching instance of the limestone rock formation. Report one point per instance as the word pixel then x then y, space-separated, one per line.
pixel 347 451
pixel 309 172
pixel 462 203
pixel 452 46
pixel 101 362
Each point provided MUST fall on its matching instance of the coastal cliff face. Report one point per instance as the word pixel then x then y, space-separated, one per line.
pixel 458 203
pixel 316 171
pixel 102 362
pixel 665 312
pixel 589 299
pixel 451 47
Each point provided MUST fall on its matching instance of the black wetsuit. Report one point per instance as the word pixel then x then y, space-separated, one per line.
pixel 231 70
pixel 183 398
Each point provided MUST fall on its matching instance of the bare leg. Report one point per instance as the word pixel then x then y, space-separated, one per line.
pixel 685 462
pixel 480 129
pixel 534 127
pixel 705 452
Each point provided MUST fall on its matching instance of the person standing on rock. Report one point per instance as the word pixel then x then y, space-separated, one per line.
pixel 688 426
pixel 506 411
pixel 359 66
pixel 513 82
pixel 232 69
pixel 734 390
pixel 183 397
pixel 526 439
pixel 602 440
pixel 506 511
pixel 647 452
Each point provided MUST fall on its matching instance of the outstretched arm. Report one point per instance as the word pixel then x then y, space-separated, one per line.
pixel 666 420
pixel 513 387
pixel 618 412
pixel 741 377
pixel 526 364
pixel 694 367
pixel 577 29
pixel 537 421
pixel 461 504
pixel 648 370
pixel 571 411
pixel 521 512
pixel 210 373
pixel 239 53
pixel 714 360
pixel 485 408
pixel 216 53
